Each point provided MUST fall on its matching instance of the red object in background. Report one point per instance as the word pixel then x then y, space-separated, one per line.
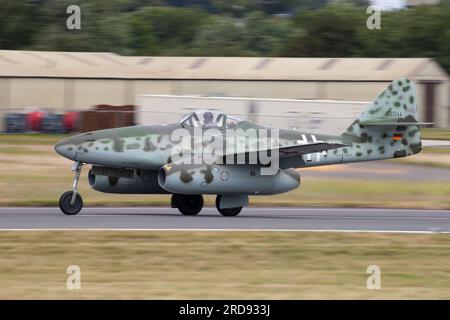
pixel 34 120
pixel 70 121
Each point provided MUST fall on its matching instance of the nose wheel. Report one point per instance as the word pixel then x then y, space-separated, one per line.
pixel 67 206
pixel 71 202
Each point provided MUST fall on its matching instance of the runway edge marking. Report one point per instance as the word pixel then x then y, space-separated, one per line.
pixel 229 230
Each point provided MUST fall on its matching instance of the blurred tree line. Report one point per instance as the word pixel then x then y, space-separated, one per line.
pixel 293 28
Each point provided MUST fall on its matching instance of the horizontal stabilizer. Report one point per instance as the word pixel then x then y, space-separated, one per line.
pixel 382 122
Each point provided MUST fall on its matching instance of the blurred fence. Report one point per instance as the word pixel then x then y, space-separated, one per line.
pixel 58 121
pixel 106 116
pixel 20 121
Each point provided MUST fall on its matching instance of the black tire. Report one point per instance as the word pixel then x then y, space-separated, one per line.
pixel 228 212
pixel 64 203
pixel 188 205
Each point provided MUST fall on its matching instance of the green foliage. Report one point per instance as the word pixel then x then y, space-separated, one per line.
pixel 159 30
pixel 17 26
pixel 326 33
pixel 236 8
pixel 340 31
pixel 222 37
pixel 312 28
pixel 101 28
pixel 265 35
pixel 255 35
pixel 419 32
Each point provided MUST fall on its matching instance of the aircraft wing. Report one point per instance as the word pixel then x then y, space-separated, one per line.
pixel 301 149
pixel 309 148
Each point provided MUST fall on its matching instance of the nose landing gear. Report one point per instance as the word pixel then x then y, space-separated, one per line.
pixel 71 202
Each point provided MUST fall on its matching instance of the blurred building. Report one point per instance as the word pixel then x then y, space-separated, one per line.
pixel 66 81
pixel 314 115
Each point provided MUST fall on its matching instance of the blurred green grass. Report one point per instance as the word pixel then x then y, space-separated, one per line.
pixel 435 134
pixel 436 150
pixel 31 138
pixel 223 265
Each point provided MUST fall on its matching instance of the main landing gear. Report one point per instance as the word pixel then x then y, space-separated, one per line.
pixel 71 202
pixel 191 205
pixel 188 204
pixel 228 212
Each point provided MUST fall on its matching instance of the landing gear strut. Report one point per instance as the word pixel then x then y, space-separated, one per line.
pixel 71 202
pixel 188 204
pixel 227 212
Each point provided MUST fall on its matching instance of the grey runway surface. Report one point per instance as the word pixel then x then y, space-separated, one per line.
pixel 156 218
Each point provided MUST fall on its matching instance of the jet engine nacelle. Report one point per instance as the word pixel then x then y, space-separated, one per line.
pixel 141 182
pixel 225 179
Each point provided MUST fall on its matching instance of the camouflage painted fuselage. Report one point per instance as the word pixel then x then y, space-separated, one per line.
pixel 150 147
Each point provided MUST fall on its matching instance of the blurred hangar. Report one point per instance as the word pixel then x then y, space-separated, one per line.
pixel 109 90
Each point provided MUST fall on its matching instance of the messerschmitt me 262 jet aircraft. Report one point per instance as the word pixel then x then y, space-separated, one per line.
pixel 170 159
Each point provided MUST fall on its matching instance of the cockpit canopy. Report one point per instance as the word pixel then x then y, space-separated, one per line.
pixel 209 119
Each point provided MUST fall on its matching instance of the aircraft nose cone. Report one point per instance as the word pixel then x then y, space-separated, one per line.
pixel 65 148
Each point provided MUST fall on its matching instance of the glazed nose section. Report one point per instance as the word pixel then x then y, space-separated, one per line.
pixel 65 148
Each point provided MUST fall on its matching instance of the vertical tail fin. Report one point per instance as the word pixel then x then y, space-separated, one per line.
pixel 397 103
pixel 390 121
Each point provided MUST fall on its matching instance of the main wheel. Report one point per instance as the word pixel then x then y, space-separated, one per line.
pixel 228 212
pixel 66 207
pixel 188 205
